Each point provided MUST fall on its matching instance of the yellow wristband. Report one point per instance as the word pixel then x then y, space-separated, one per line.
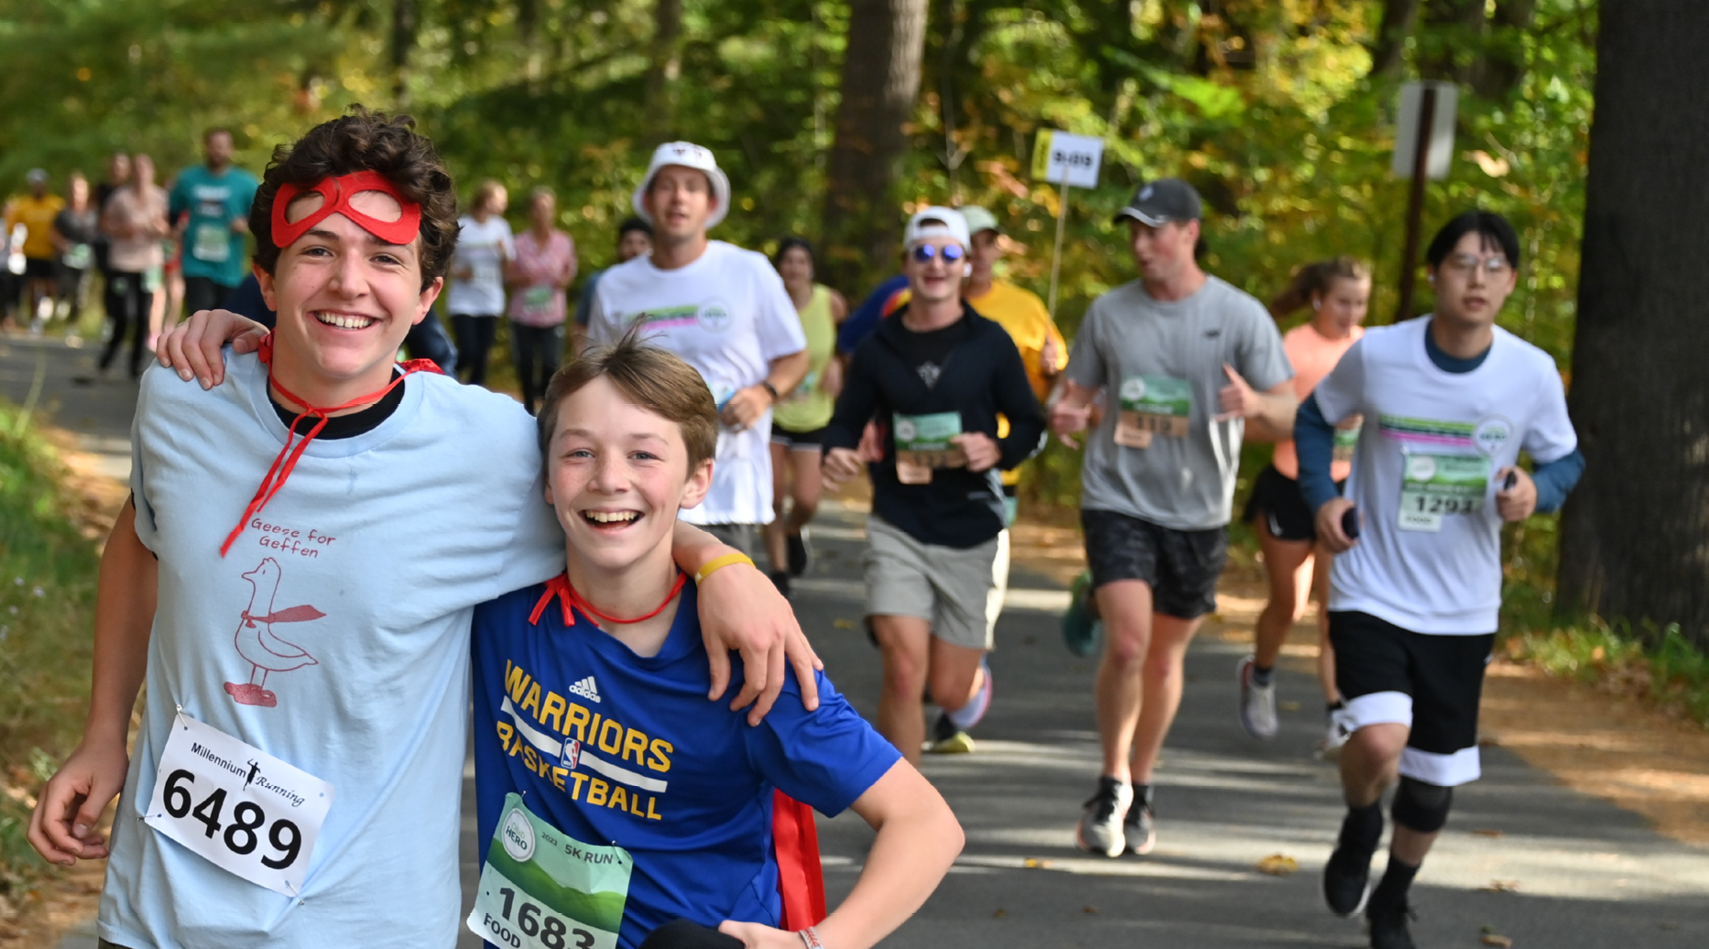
pixel 718 563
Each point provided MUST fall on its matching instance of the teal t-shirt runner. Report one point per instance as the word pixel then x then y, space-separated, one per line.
pixel 214 201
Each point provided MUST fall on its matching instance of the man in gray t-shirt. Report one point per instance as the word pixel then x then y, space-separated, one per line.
pixel 1186 362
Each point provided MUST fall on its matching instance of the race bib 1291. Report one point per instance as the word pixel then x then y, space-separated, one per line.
pixel 238 806
pixel 1436 486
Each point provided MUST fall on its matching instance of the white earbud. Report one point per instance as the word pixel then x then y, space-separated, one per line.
pixel 967 270
pixel 1317 304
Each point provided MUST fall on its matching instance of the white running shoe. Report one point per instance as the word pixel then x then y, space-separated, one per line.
pixel 1100 829
pixel 1257 702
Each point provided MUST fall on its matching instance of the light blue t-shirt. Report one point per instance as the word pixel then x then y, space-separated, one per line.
pixel 211 250
pixel 392 536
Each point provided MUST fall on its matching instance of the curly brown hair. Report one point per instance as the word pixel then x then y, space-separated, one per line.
pixel 362 140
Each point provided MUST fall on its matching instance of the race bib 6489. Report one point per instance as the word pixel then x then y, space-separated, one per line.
pixel 238 806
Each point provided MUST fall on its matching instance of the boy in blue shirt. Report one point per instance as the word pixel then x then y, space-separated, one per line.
pixel 614 802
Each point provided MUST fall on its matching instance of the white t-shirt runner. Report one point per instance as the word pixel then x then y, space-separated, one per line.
pixel 1429 553
pixel 348 601
pixel 727 315
pixel 483 248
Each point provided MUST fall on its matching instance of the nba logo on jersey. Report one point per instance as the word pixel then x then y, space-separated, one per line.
pixel 572 754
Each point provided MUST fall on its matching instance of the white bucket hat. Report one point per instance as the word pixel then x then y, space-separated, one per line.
pixel 688 155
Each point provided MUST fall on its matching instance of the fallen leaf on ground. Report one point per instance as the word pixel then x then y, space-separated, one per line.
pixel 1497 940
pixel 1487 832
pixel 1289 706
pixel 1501 886
pixel 1089 909
pixel 1278 865
pixel 843 623
pixel 1000 914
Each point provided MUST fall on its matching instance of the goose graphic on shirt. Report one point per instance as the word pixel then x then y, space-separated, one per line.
pixel 256 642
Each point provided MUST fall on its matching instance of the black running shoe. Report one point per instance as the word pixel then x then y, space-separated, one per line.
pixel 1347 879
pixel 800 553
pixel 780 579
pixel 1388 926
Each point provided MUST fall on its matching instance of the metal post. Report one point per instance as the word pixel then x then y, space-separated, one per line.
pixel 1415 201
pixel 1056 257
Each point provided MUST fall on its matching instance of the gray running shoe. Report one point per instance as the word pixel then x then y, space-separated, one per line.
pixel 1100 829
pixel 1140 828
pixel 1257 702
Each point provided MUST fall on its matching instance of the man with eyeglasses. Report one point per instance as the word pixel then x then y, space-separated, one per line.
pixel 1187 362
pixel 1449 400
pixel 936 376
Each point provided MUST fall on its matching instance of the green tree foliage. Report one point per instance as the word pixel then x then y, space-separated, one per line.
pixel 1267 106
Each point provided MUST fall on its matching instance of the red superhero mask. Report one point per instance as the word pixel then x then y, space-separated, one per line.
pixel 336 195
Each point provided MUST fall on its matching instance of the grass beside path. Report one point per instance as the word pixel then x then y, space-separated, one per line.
pixel 47 597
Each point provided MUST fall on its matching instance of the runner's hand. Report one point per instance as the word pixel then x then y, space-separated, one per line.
pixel 760 936
pixel 62 826
pixel 1237 399
pixel 741 611
pixel 981 450
pixel 1520 501
pixel 1067 419
pixel 193 346
pixel 871 447
pixel 746 407
pixel 840 465
pixel 1329 532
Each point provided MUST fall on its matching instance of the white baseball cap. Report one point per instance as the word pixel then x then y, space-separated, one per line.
pixel 688 155
pixel 936 222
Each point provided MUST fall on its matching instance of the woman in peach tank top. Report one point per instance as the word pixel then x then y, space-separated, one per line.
pixel 1339 292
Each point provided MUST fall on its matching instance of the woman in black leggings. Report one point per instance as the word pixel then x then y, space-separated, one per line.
pixel 484 247
pixel 135 222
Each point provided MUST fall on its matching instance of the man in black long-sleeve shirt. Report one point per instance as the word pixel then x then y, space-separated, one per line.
pixel 937 376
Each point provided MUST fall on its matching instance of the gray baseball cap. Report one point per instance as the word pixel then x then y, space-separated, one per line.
pixel 1156 203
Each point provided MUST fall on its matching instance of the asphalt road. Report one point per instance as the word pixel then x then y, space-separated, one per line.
pixel 1522 856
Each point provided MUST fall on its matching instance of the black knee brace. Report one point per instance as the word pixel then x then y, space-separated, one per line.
pixel 1420 806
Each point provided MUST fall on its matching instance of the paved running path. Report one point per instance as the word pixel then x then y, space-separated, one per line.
pixel 1588 875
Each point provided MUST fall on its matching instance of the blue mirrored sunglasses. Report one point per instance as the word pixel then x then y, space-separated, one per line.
pixel 924 253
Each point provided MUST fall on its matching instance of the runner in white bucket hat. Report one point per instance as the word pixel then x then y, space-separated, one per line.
pixel 688 155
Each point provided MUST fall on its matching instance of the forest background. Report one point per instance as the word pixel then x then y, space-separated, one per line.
pixel 835 118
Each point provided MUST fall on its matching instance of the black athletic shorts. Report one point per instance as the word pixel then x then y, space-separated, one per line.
pixel 1277 498
pixel 797 441
pixel 1431 683
pixel 1181 567
pixel 40 268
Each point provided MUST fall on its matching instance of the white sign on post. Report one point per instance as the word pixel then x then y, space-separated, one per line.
pixel 1069 159
pixel 1441 129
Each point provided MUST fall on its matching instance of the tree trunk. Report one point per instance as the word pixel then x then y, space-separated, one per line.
pixel 1453 34
pixel 404 28
pixel 880 83
pixel 1501 67
pixel 658 117
pixel 1388 52
pixel 1635 535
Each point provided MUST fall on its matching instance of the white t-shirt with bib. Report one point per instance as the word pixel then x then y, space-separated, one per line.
pixel 727 315
pixel 483 248
pixel 370 560
pixel 1429 553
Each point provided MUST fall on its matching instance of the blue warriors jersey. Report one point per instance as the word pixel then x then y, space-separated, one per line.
pixel 614 748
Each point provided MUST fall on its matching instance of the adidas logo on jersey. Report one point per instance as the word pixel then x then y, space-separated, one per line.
pixel 586 689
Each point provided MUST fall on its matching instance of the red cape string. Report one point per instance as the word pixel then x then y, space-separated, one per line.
pixel 559 588
pixel 286 462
